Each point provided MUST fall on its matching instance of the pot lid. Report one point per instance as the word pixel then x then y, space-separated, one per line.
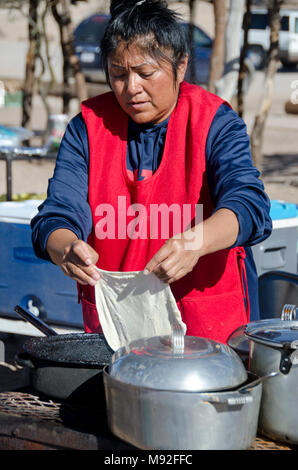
pixel 202 365
pixel 275 333
pixel 239 341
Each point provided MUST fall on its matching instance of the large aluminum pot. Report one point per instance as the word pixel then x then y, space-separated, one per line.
pixel 274 347
pixel 161 397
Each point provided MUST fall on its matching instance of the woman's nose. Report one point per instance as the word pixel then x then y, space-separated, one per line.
pixel 133 84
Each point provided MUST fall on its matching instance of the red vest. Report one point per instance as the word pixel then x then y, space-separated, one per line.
pixel 211 297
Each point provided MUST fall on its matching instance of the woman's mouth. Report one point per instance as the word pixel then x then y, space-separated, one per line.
pixel 137 104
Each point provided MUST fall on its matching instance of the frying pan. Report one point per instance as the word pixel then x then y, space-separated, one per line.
pixel 67 366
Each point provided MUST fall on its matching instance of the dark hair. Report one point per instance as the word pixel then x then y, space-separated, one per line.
pixel 151 20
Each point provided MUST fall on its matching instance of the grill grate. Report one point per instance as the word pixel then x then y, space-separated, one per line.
pixel 266 444
pixel 25 404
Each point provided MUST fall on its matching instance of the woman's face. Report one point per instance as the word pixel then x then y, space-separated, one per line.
pixel 145 89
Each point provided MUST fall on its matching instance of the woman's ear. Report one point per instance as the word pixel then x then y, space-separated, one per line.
pixel 182 69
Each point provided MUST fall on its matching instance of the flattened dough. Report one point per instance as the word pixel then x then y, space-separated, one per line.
pixel 132 305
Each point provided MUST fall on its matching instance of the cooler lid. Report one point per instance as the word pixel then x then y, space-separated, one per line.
pixel 282 210
pixel 19 212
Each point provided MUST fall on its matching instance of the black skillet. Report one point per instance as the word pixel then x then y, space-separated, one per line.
pixel 66 366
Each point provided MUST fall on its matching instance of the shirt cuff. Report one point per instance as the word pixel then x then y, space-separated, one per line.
pixel 49 226
pixel 245 221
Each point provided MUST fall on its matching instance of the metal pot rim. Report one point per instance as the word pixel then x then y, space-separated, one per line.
pixel 232 390
pixel 251 331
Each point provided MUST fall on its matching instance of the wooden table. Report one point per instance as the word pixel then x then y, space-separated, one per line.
pixel 29 422
pixel 9 157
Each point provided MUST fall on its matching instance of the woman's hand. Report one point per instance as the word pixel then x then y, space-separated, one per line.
pixel 179 254
pixel 175 259
pixel 78 262
pixel 75 257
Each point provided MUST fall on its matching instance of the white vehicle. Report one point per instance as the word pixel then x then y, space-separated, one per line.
pixel 259 37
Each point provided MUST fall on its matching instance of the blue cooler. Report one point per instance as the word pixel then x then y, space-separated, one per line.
pixel 279 251
pixel 26 280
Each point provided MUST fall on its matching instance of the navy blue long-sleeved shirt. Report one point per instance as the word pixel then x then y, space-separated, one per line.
pixel 234 183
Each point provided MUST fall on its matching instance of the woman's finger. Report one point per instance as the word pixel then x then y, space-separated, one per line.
pixel 81 253
pixel 168 268
pixel 82 276
pixel 155 262
pixel 79 263
pixel 179 274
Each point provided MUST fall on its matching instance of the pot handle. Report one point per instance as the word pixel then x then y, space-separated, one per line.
pixel 24 360
pixel 289 312
pixel 232 401
pixel 177 339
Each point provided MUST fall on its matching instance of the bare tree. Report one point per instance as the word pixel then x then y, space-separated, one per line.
pixel 242 69
pixel 227 85
pixel 218 50
pixel 271 67
pixel 36 15
pixel 192 65
pixel 36 12
pixel 71 65
pixel 34 38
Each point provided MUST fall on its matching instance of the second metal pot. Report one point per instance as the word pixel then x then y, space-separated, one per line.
pixel 274 347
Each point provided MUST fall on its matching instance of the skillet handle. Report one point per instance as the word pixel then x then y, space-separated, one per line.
pixel 35 321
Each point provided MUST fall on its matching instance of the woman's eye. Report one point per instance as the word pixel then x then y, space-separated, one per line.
pixel 118 76
pixel 146 75
pixel 123 76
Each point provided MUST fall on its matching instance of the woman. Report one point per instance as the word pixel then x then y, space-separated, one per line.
pixel 157 141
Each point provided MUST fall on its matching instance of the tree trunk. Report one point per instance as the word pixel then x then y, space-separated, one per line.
pixel 192 64
pixel 227 85
pixel 218 50
pixel 28 87
pixel 272 64
pixel 241 77
pixel 71 65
